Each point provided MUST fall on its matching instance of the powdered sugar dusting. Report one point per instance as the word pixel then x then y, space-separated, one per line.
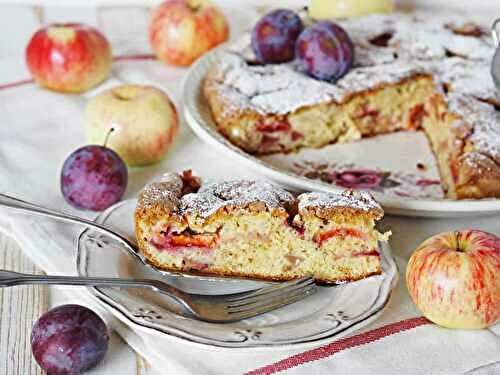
pixel 215 196
pixel 165 192
pixel 281 89
pixel 486 131
pixel 357 200
pixel 388 49
pixel 465 77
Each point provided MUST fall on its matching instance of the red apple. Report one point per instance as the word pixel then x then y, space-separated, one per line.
pixel 180 31
pixel 454 279
pixel 68 57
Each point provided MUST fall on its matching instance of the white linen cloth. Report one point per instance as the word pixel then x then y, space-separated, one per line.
pixel 39 129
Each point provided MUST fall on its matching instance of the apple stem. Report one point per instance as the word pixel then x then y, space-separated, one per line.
pixel 194 5
pixel 459 247
pixel 111 130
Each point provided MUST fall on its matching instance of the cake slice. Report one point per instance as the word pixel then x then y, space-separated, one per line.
pixel 257 230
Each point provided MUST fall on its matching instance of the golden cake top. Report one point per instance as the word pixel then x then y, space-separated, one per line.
pixel 187 196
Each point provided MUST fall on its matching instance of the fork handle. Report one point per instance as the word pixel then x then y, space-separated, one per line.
pixel 20 205
pixel 9 278
pixel 28 279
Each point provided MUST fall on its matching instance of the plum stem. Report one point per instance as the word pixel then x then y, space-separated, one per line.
pixel 111 130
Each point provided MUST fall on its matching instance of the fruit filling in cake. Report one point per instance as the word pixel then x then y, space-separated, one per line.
pixel 362 77
pixel 257 230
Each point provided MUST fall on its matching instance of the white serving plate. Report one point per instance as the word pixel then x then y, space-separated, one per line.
pixel 389 163
pixel 333 312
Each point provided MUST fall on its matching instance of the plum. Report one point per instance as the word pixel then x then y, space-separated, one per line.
pixel 93 178
pixel 69 340
pixel 274 36
pixel 325 51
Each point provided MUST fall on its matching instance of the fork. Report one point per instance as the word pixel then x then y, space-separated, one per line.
pixel 211 308
pixel 20 205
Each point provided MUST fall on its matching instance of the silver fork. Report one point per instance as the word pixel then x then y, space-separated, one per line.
pixel 20 205
pixel 214 308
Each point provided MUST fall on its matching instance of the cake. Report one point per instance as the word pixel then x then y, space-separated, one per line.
pixel 257 230
pixel 411 72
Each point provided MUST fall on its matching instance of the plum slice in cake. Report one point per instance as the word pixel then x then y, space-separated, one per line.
pixel 257 230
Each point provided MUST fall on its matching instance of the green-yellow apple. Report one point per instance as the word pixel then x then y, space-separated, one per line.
pixel 68 57
pixel 143 119
pixel 180 31
pixel 330 9
pixel 454 279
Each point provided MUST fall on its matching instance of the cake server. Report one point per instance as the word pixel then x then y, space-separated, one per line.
pixel 126 243
pixel 495 64
pixel 211 308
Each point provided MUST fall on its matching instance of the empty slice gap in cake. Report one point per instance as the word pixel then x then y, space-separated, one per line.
pixel 257 230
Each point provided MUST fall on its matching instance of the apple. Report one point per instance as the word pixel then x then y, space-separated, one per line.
pixel 454 279
pixel 180 31
pixel 68 57
pixel 143 119
pixel 329 9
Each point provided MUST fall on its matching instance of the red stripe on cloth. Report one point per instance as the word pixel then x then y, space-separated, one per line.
pixel 134 57
pixel 15 84
pixel 338 346
pixel 116 58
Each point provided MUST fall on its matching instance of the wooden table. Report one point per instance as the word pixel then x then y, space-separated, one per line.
pixel 21 306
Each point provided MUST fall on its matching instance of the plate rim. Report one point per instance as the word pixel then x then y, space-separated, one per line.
pixel 406 207
pixel 122 313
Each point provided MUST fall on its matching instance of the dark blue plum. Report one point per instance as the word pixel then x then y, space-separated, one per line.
pixel 325 51
pixel 93 178
pixel 274 36
pixel 69 340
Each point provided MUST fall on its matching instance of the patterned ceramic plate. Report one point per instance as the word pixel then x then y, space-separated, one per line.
pixel 332 312
pixel 399 169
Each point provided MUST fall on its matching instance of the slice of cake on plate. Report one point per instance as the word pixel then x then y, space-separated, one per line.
pixel 410 72
pixel 257 230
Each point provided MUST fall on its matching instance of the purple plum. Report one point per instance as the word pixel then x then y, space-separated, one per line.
pixel 325 51
pixel 274 36
pixel 93 178
pixel 69 340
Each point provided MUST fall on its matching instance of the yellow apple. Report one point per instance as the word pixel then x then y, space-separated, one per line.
pixel 142 118
pixel 327 9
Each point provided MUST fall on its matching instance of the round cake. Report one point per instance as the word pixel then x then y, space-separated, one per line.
pixel 411 72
